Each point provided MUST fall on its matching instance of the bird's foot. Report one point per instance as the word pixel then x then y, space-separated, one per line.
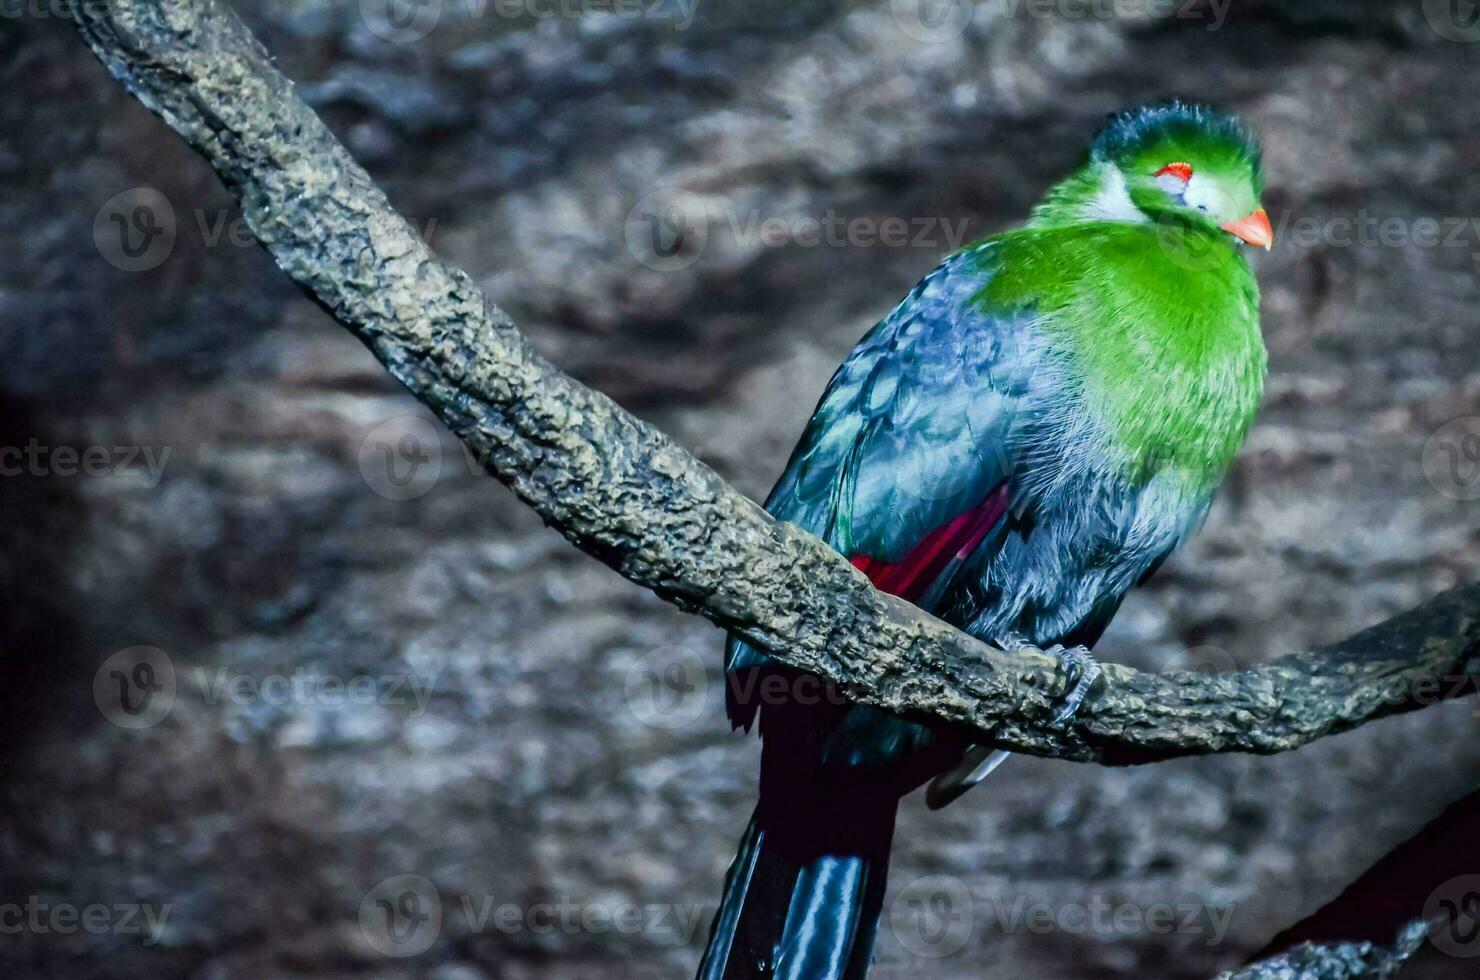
pixel 979 760
pixel 1082 670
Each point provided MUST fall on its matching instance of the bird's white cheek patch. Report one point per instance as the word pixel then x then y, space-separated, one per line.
pixel 1206 195
pixel 1113 201
pixel 1171 184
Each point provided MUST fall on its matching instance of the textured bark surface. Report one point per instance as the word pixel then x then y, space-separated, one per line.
pixel 1337 961
pixel 539 769
pixel 624 493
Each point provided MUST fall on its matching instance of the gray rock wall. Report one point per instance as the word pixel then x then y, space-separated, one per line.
pixel 384 667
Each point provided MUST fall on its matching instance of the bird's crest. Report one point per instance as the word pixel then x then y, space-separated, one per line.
pixel 1164 128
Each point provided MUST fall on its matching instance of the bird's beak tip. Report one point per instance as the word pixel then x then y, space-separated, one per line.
pixel 1252 229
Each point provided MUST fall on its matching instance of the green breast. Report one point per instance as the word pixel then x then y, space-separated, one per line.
pixel 1162 326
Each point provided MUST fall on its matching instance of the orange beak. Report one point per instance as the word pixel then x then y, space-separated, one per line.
pixel 1252 229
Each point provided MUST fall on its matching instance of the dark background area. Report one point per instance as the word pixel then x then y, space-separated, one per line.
pixel 541 771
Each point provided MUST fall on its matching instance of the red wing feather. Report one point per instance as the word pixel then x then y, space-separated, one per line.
pixel 914 574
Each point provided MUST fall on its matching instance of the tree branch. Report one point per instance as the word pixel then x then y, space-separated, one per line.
pixel 623 493
pixel 1338 961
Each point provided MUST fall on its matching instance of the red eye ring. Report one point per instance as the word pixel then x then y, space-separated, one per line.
pixel 1181 171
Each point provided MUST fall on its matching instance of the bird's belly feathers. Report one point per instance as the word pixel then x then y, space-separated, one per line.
pixel 1063 570
pixel 1083 530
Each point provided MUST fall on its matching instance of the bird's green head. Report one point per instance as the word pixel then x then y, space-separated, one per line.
pixel 1180 163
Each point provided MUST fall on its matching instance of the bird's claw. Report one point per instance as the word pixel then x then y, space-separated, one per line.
pixel 1083 670
pixel 979 760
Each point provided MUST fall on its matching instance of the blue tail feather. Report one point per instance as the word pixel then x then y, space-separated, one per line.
pixel 784 918
pixel 831 922
pixel 802 898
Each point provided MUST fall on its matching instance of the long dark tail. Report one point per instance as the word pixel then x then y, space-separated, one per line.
pixel 802 898
pixel 789 918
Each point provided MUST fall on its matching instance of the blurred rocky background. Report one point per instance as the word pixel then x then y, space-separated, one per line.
pixel 290 690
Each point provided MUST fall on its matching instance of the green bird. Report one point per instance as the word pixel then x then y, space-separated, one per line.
pixel 1026 437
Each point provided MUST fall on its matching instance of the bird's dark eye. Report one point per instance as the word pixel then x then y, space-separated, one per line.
pixel 1202 207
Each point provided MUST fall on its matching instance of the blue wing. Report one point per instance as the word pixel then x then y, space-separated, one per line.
pixel 915 426
pixel 916 429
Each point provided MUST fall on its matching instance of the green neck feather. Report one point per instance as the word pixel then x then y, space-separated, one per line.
pixel 1095 191
pixel 1159 320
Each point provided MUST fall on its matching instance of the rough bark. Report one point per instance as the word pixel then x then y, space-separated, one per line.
pixel 625 494
pixel 1337 961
